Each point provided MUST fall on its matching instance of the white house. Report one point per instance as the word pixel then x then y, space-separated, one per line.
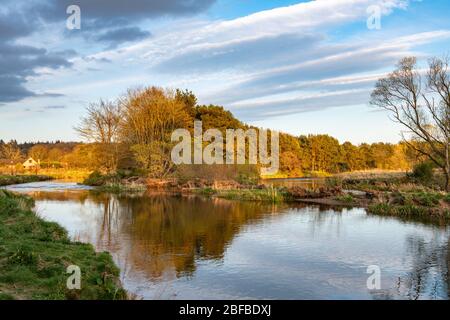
pixel 30 164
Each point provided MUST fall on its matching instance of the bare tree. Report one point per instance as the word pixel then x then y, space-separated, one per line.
pixel 422 106
pixel 101 123
pixel 12 154
pixel 101 126
pixel 38 152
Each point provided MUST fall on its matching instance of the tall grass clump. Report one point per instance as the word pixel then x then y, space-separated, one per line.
pixel 270 194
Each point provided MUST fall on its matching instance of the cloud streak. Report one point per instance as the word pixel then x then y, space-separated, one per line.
pixel 282 52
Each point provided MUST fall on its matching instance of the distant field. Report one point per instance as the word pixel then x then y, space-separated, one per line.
pixel 375 173
pixel 76 175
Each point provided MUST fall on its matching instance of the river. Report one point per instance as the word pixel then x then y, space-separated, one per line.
pixel 170 247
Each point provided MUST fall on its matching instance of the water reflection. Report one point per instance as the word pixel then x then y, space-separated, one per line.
pixel 189 247
pixel 172 233
pixel 428 277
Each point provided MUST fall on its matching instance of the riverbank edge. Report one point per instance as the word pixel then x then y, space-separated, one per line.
pixel 430 206
pixel 394 194
pixel 35 255
pixel 6 180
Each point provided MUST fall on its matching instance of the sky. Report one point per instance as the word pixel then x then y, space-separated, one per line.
pixel 301 67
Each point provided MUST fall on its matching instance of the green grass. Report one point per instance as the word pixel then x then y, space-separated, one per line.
pixel 6 180
pixel 410 211
pixel 120 188
pixel 265 195
pixel 429 205
pixel 346 198
pixel 385 209
pixel 425 199
pixel 34 256
pixel 207 191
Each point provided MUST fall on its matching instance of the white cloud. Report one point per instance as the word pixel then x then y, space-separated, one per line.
pixel 304 18
pixel 278 61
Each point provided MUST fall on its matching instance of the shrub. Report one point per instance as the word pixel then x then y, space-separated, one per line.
pixel 423 172
pixel 243 174
pixel 95 179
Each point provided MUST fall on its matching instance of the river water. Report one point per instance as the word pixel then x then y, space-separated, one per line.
pixel 170 247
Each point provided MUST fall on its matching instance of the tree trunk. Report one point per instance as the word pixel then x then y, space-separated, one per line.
pixel 447 181
pixel 447 167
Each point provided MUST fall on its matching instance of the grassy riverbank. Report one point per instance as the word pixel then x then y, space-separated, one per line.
pixel 391 193
pixel 34 256
pixel 118 188
pixel 396 195
pixel 411 211
pixel 403 198
pixel 6 180
pixel 431 206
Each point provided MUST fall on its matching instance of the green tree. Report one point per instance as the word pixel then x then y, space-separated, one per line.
pixel 101 125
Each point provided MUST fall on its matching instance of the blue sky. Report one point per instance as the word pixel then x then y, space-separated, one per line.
pixel 295 66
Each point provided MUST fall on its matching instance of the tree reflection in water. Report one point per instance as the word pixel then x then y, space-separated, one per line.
pixel 428 277
pixel 430 268
pixel 167 235
pixel 158 240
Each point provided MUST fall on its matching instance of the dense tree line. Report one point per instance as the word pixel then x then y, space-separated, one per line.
pixel 299 155
pixel 134 133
